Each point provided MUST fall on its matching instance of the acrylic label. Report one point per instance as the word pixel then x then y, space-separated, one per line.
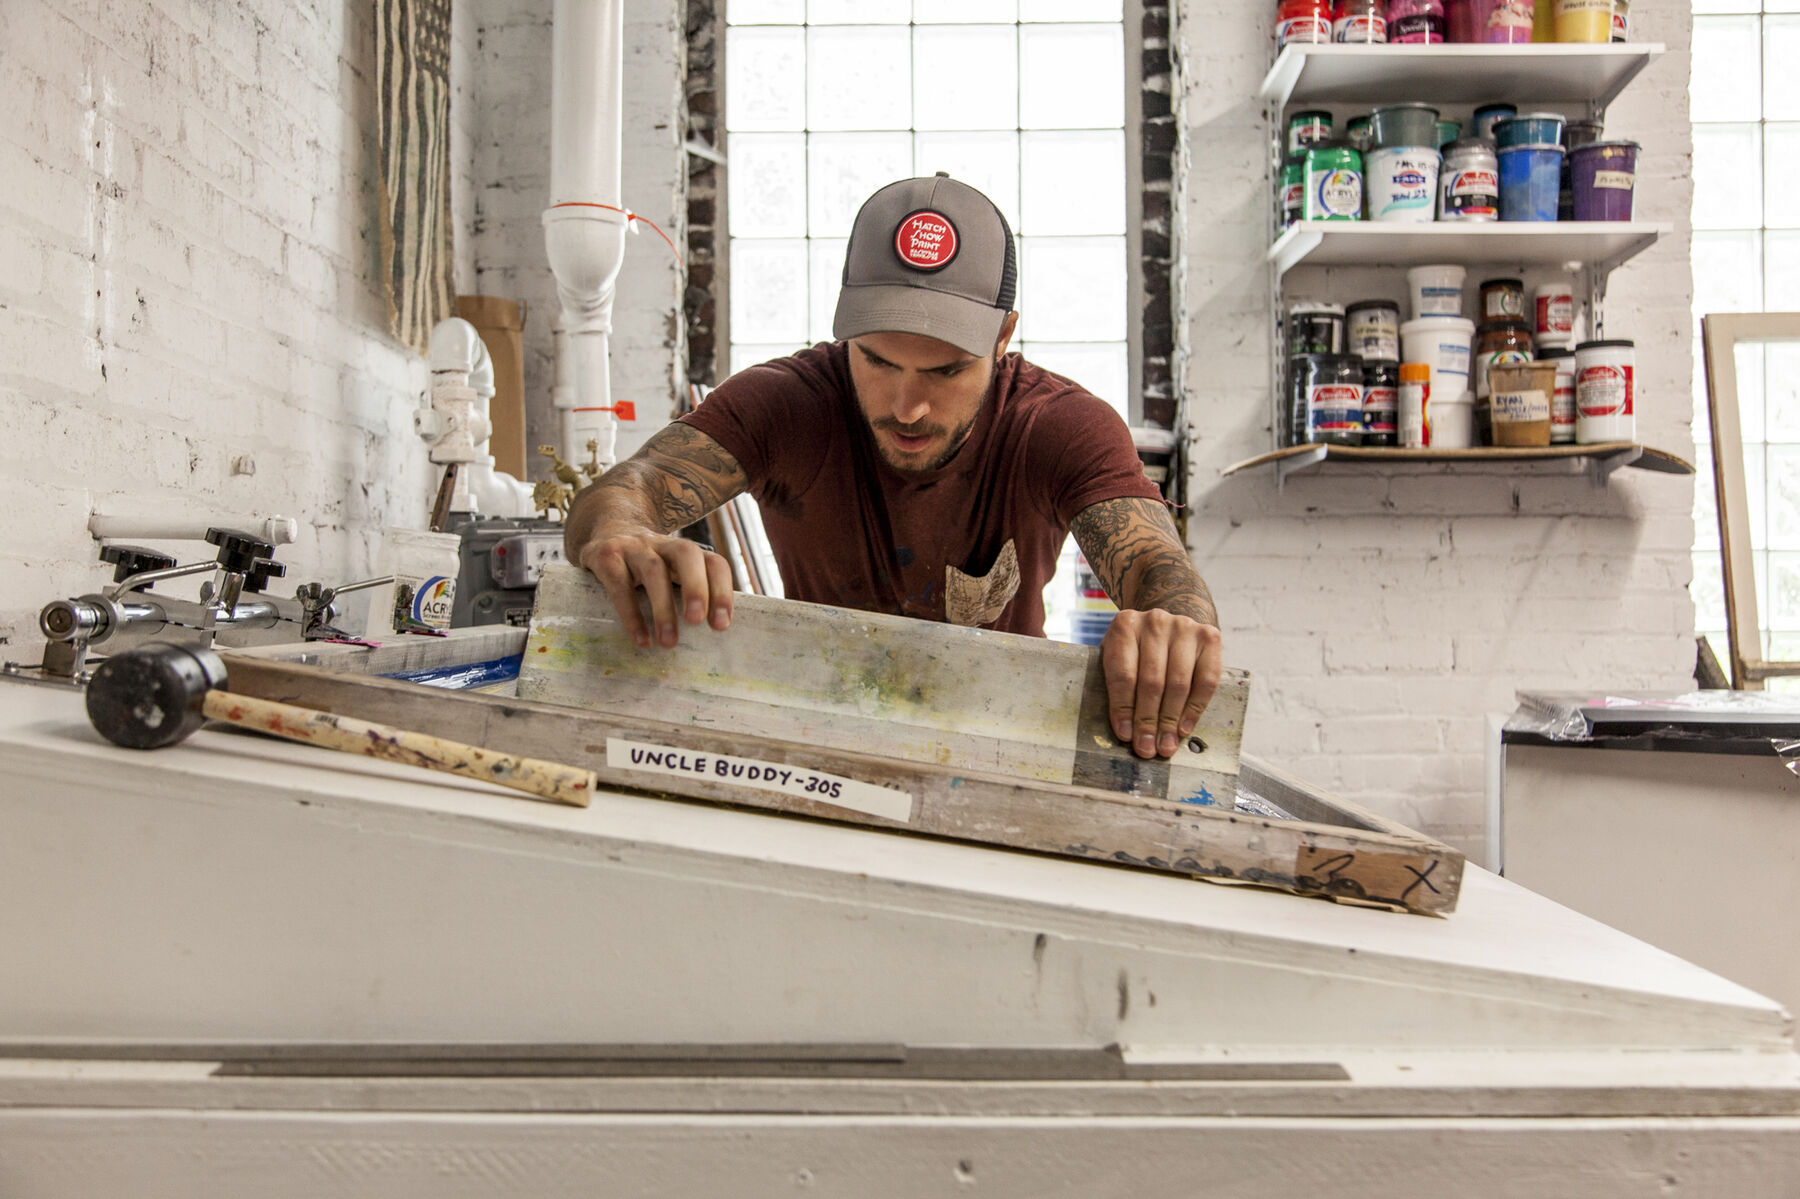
pixel 788 779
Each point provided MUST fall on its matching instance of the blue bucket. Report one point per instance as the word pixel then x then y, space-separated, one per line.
pixel 1529 129
pixel 1530 181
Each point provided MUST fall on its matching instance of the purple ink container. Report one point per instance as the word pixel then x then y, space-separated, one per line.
pixel 1604 179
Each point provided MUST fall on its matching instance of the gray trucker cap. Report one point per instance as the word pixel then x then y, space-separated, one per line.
pixel 929 256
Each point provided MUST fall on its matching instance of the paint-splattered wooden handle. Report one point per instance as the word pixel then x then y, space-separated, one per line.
pixel 534 776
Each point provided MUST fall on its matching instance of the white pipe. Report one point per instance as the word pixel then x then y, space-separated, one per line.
pixel 456 423
pixel 584 231
pixel 136 526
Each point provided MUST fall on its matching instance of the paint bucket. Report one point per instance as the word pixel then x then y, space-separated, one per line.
pixel 1584 20
pixel 1519 405
pixel 1529 176
pixel 1403 125
pixel 1372 330
pixel 425 566
pixel 1452 422
pixel 1506 22
pixel 1333 181
pixel 1401 183
pixel 1410 401
pixel 1529 129
pixel 1562 400
pixel 1441 343
pixel 1604 181
pixel 1436 291
pixel 1605 391
pixel 1481 124
pixel 1469 182
pixel 1553 314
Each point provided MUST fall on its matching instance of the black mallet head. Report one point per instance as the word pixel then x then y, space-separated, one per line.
pixel 150 697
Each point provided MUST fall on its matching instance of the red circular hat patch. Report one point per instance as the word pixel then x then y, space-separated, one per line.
pixel 926 240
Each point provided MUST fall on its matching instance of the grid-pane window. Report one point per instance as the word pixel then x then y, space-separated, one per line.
pixel 1746 258
pixel 828 100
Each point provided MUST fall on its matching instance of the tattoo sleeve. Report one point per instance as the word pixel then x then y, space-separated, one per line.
pixel 1132 545
pixel 678 476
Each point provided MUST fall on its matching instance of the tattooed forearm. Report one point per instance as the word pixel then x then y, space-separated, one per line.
pixel 1137 555
pixel 678 476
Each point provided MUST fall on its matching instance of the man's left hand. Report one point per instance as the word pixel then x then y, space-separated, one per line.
pixel 1161 672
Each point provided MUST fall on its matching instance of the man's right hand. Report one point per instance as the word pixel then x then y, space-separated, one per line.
pixel 661 565
pixel 623 529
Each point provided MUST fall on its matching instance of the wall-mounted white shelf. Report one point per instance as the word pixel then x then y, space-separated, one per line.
pixel 1455 74
pixel 1603 457
pixel 1599 244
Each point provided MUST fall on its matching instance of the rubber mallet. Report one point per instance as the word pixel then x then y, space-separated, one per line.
pixel 160 693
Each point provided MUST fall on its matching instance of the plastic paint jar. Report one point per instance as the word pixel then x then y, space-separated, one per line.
pixel 1605 391
pixel 1333 183
pixel 1415 22
pixel 1529 179
pixel 1603 176
pixel 1584 20
pixel 1469 183
pixel 1410 400
pixel 1381 383
pixel 1441 343
pixel 1403 125
pixel 1293 186
pixel 1482 122
pixel 1305 128
pixel 1315 327
pixel 1501 300
pixel 425 567
pixel 1529 129
pixel 1520 405
pixel 1401 183
pixel 1302 21
pixel 1331 385
pixel 1562 400
pixel 1360 21
pixel 1436 291
pixel 1452 422
pixel 1502 21
pixel 1372 330
pixel 1553 314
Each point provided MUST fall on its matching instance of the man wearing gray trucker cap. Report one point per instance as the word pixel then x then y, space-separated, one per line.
pixel 913 466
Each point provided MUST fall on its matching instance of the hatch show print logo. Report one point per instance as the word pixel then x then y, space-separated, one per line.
pixel 926 240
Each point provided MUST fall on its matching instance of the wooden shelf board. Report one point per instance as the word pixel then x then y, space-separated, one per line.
pixel 1643 457
pixel 1455 74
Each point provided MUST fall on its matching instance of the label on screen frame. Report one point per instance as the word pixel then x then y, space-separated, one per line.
pixel 786 778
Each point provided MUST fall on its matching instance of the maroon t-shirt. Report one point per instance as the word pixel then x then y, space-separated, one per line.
pixel 972 542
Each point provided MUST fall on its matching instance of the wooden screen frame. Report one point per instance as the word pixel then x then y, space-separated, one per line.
pixel 1720 335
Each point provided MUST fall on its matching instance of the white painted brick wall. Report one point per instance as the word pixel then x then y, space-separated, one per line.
pixel 1385 614
pixel 191 266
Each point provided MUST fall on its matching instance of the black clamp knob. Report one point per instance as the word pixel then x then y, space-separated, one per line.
pixel 259 574
pixel 128 560
pixel 239 552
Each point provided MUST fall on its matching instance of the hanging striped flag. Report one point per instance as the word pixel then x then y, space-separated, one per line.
pixel 412 72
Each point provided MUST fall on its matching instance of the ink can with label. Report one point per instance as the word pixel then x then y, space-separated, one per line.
pixel 1333 181
pixel 1315 327
pixel 1360 22
pixel 1332 385
pixel 1306 128
pixel 1293 187
pixel 1302 21
pixel 1562 400
pixel 1469 182
pixel 1553 314
pixel 1380 405
pixel 1502 300
pixel 1605 391
pixel 1416 22
pixel 1372 330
